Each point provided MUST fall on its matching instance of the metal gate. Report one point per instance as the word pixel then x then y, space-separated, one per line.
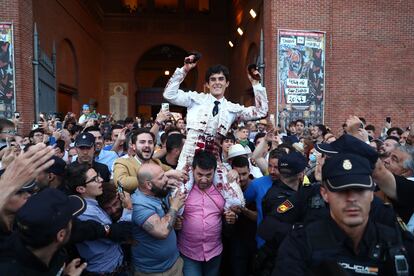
pixel 44 78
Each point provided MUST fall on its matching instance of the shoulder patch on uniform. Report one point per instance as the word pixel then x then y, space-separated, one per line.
pixel 284 207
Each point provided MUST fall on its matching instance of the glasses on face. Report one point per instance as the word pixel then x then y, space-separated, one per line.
pixel 96 178
pixel 214 79
pixel 12 132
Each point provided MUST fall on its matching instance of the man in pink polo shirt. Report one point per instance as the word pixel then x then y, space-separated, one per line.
pixel 199 238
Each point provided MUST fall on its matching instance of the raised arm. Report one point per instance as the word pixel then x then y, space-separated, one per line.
pixel 160 227
pixel 172 93
pixel 260 109
pixel 385 180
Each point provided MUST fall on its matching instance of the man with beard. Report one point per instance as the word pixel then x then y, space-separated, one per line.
pixel 156 252
pixel 85 147
pixel 390 143
pixel 126 169
pixel 318 133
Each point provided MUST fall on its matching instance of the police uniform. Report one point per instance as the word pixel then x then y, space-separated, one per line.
pixel 383 249
pixel 308 206
pixel 276 197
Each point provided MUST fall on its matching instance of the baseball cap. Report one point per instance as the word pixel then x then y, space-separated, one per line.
pixel 292 163
pixel 347 171
pixel 58 166
pixel 47 212
pixel 349 144
pixel 84 139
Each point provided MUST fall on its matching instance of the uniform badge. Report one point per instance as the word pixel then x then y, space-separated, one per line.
pixel 284 207
pixel 347 165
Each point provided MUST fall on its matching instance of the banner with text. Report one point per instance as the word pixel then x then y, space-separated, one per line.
pixel 301 75
pixel 7 88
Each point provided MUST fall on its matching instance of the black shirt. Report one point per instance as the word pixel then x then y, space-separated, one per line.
pixel 164 161
pixel 404 205
pixel 19 261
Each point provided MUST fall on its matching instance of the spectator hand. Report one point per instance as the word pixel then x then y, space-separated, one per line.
pixel 178 225
pixel 232 176
pixel 179 175
pixel 74 268
pixel 125 198
pixel 230 217
pixel 177 201
pixel 163 116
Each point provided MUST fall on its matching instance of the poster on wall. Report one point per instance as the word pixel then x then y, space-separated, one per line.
pixel 7 88
pixel 301 75
pixel 118 100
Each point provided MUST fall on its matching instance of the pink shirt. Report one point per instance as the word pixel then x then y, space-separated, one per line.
pixel 200 236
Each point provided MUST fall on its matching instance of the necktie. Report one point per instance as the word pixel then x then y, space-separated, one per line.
pixel 215 109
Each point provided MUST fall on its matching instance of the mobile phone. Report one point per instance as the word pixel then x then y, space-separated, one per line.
pixel 17 115
pixel 251 69
pixel 196 58
pixel 165 106
pixel 120 188
pixel 388 119
pixel 59 125
pixel 34 126
pixel 103 116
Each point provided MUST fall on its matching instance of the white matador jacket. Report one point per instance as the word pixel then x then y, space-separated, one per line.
pixel 201 123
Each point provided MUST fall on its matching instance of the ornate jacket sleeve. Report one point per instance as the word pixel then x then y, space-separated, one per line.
pixel 261 107
pixel 173 94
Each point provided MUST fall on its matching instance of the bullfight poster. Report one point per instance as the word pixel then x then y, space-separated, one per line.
pixel 7 76
pixel 301 75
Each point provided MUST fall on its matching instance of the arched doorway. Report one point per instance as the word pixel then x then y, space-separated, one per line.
pixel 67 77
pixel 152 73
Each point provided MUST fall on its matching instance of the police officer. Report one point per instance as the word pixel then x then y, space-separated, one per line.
pixel 348 238
pixel 291 168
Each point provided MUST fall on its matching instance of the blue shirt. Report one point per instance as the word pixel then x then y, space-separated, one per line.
pixel 107 157
pixel 151 255
pixel 255 193
pixel 103 255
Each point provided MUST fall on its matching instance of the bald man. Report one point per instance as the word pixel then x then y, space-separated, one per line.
pixel 153 217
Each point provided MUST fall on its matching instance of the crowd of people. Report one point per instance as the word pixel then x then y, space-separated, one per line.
pixel 220 190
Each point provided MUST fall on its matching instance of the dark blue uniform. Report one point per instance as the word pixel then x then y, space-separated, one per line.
pixel 322 244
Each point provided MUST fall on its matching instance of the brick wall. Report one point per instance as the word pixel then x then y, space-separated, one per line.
pixel 20 14
pixel 66 22
pixel 369 57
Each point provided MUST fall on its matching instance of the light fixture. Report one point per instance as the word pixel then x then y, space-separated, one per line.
pixel 231 44
pixel 166 72
pixel 131 5
pixel 240 31
pixel 252 13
